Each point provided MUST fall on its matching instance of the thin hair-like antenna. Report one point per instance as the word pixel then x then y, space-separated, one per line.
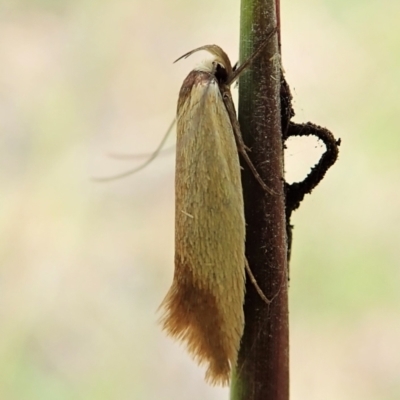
pixel 140 167
pixel 237 72
pixel 136 156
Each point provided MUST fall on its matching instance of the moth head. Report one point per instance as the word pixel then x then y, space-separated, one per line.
pixel 220 66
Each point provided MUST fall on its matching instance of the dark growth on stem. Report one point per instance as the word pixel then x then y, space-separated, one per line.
pixel 295 192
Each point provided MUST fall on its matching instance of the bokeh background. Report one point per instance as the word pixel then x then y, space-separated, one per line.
pixel 84 265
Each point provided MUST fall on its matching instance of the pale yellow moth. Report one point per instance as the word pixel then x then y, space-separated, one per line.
pixel 204 306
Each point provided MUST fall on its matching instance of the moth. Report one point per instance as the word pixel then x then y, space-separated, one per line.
pixel 204 306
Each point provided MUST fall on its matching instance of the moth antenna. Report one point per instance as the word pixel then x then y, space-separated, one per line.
pixel 238 71
pixel 123 156
pixel 216 51
pixel 140 167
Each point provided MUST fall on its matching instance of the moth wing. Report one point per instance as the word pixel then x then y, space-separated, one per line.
pixel 204 307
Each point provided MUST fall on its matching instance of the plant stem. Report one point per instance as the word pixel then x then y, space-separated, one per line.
pixel 262 372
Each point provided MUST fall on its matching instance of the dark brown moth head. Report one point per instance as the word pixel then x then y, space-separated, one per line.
pixel 220 73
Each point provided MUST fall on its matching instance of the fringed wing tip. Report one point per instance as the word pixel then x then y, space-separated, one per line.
pixel 205 349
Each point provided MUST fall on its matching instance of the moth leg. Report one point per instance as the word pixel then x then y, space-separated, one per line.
pixel 242 149
pixel 255 284
pixel 239 141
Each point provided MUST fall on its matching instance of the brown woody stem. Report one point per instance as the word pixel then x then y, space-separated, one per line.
pixel 263 364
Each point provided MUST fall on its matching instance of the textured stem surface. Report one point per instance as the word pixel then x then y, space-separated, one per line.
pixel 262 371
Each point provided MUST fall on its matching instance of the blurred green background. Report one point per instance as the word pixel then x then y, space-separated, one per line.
pixel 85 265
